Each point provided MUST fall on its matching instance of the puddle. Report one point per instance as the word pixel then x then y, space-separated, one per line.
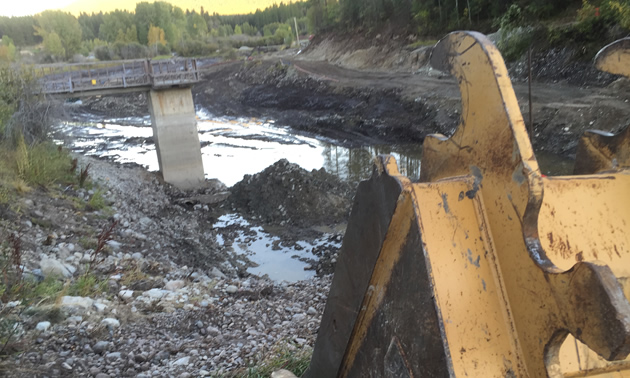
pixel 234 147
pixel 278 262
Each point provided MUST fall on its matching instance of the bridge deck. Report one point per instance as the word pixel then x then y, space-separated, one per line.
pixel 116 76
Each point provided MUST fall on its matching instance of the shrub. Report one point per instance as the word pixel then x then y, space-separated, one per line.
pixel 103 53
pixel 195 48
pixel 45 164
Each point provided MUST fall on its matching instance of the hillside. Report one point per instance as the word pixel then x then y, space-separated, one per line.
pixel 224 7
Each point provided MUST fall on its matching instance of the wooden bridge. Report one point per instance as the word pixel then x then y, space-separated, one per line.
pixel 168 86
pixel 114 77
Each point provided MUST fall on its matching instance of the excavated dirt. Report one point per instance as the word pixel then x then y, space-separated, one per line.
pixel 286 194
pixel 386 103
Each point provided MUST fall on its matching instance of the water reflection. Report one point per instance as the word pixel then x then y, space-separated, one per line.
pixel 234 147
pixel 355 164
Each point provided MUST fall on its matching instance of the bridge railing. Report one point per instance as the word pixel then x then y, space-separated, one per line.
pixel 83 77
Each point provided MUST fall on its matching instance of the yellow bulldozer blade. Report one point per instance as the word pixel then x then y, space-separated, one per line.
pixel 484 268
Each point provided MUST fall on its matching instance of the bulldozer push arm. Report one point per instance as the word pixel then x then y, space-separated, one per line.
pixel 485 268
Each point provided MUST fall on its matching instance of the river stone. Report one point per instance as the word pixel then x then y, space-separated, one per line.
pixel 174 285
pixel 181 361
pixel 76 304
pixel 55 268
pixel 42 326
pixel 231 289
pixel 136 256
pixel 114 244
pixel 125 295
pixel 113 356
pixel 114 323
pixel 216 273
pixel 100 307
pixel 100 347
pixel 155 294
pixel 282 374
pixel 299 317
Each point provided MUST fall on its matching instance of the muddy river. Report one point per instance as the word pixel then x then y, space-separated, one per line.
pixel 234 147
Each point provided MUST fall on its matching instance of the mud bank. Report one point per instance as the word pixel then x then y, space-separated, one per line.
pixel 357 107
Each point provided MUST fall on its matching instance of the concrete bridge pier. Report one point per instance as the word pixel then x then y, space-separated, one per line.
pixel 176 137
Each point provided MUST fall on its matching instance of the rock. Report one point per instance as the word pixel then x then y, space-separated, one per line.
pixel 113 356
pixel 282 374
pixel 126 295
pixel 13 304
pixel 102 375
pixel 42 326
pixel 299 317
pixel 231 289
pixel 114 244
pixel 216 273
pixel 112 286
pixel 65 366
pixel 181 361
pixel 111 322
pixel 75 319
pixel 155 294
pixel 100 307
pixel 140 358
pixel 100 347
pixel 311 311
pixel 174 285
pixel 300 340
pixel 145 221
pixel 137 256
pixel 55 268
pixel 213 331
pixel 144 285
pixel 76 304
pixel 95 371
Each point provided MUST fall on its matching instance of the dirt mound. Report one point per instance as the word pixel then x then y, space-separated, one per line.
pixel 560 65
pixel 385 52
pixel 118 106
pixel 286 194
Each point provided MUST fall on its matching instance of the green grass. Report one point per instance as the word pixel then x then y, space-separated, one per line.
pixel 96 202
pixel 48 164
pixel 86 286
pixel 295 361
pixel 43 164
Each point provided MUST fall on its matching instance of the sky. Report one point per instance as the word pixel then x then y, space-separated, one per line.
pixel 28 7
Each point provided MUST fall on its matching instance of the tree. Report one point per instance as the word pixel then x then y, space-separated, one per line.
pixel 54 46
pixel 67 30
pixel 157 14
pixel 20 29
pixel 114 23
pixel 238 30
pixel 197 25
pixel 7 49
pixel 156 37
